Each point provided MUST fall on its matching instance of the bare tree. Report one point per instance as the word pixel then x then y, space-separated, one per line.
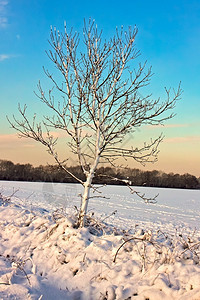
pixel 101 102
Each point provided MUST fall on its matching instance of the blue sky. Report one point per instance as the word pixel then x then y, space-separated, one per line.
pixel 168 38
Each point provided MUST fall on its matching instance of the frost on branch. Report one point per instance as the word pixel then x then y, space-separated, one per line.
pixel 97 103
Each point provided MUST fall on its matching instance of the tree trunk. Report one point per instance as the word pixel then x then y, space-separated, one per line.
pixel 85 199
pixel 86 194
pixel 90 176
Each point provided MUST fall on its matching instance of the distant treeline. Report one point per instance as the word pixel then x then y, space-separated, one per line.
pixel 104 175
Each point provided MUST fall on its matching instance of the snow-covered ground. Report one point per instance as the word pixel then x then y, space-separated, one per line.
pixel 42 255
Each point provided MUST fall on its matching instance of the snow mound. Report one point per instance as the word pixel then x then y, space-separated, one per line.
pixel 43 256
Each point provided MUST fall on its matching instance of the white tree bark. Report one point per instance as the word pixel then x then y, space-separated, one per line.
pixel 90 176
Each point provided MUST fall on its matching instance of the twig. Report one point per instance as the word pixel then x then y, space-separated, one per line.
pixel 113 213
pixel 131 239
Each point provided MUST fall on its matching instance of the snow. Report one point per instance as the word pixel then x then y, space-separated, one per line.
pixel 42 255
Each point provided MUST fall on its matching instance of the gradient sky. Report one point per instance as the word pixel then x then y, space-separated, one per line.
pixel 168 38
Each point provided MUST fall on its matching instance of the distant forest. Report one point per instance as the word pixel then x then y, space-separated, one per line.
pixel 104 175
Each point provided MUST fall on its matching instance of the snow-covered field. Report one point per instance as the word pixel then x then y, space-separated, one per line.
pixel 42 255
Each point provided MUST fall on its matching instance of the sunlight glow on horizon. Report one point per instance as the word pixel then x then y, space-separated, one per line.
pixel 172 158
